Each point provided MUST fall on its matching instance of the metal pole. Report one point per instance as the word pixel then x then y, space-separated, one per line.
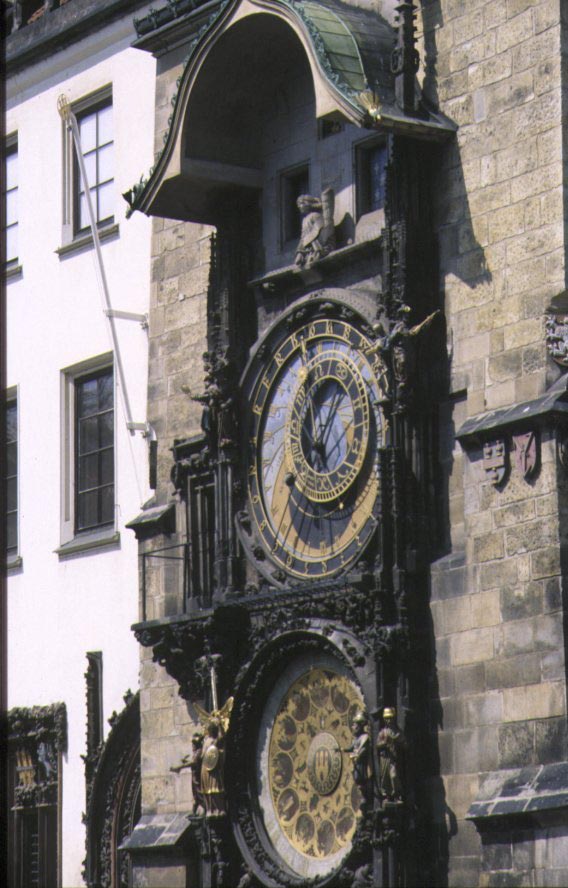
pixel 71 123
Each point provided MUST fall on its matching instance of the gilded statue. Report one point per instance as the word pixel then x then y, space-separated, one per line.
pixel 318 231
pixel 390 747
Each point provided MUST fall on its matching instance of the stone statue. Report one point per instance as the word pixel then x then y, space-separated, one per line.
pixel 318 231
pixel 402 342
pixel 212 770
pixel 360 755
pixel 390 747
pixel 194 761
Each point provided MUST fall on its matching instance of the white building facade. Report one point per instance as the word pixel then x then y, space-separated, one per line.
pixel 76 472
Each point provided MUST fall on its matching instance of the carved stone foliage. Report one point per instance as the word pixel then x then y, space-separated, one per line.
pixel 114 801
pixel 241 629
pixel 37 736
pixel 556 327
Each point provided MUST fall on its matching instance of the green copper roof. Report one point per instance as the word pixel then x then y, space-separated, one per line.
pixel 333 43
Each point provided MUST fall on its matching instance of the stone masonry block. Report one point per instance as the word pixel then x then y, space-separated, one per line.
pixel 472 646
pixel 507 365
pixel 483 709
pixel 516 744
pixel 523 332
pixel 497 573
pixel 488 547
pixel 514 513
pixel 514 31
pixel 521 601
pixel 532 535
pixel 538 181
pixel 545 700
pixel 545 563
pixel 485 609
pixel 508 672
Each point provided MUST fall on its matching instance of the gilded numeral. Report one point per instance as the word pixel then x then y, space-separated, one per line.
pixel 257 409
pixel 324 567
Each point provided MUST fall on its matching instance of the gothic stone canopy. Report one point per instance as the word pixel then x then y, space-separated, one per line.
pixel 231 76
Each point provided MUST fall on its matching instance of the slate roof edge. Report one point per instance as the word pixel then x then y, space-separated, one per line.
pixel 554 402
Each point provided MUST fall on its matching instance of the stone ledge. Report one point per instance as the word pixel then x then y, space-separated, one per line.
pixel 159 831
pixel 553 403
pixel 527 792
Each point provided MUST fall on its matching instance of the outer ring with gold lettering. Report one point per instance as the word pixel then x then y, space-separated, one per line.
pixel 315 398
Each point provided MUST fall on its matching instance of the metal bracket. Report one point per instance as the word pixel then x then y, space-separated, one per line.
pixel 127 316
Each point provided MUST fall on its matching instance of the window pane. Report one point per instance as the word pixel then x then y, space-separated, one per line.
pixel 12 243
pixel 87 397
pixel 11 422
pixel 87 510
pixel 88 132
pixel 106 391
pixel 105 125
pixel 107 466
pixel 12 207
pixel 11 170
pixel 12 494
pixel 106 163
pixel 106 201
pixel 107 504
pixel 106 429
pixel 12 527
pixel 11 459
pixel 83 212
pixel 88 472
pixel 91 168
pixel 88 435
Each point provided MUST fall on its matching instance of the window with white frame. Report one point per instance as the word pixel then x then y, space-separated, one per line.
pixel 97 148
pixel 94 114
pixel 88 457
pixel 11 203
pixel 11 466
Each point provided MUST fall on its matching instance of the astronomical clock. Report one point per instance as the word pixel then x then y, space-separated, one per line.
pixel 315 425
pixel 296 626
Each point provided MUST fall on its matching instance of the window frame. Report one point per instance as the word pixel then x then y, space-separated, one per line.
pixel 72 235
pixel 362 152
pixel 11 397
pixel 73 538
pixel 10 148
pixel 288 236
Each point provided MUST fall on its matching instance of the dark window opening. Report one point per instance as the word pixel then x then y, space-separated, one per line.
pixel 10 197
pixel 371 177
pixel 292 184
pixel 12 477
pixel 201 531
pixel 94 448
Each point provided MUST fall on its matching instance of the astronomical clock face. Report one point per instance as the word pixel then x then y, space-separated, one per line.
pixel 309 801
pixel 315 429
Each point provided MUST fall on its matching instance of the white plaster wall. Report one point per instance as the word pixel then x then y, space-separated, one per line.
pixel 59 609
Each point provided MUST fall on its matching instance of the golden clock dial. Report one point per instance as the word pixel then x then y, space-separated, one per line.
pixel 316 426
pixel 313 803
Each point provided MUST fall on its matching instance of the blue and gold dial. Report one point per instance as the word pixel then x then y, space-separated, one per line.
pixel 316 425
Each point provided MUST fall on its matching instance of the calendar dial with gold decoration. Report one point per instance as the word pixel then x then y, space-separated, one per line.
pixel 316 425
pixel 309 800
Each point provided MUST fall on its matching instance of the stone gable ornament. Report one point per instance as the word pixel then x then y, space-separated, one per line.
pixel 318 231
pixel 495 460
pixel 556 329
pixel 526 453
